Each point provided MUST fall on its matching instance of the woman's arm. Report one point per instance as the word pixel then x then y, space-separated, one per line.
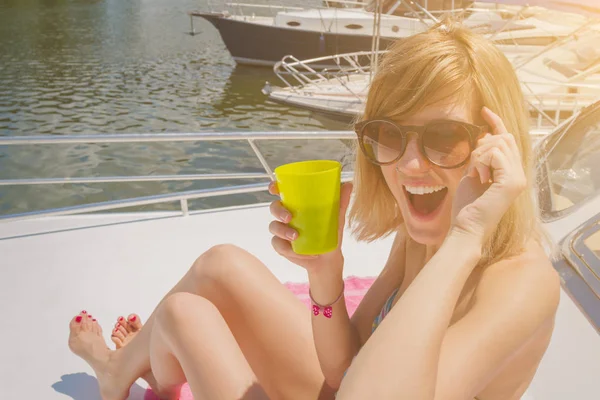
pixel 336 339
pixel 405 349
pixel 339 339
pixel 415 355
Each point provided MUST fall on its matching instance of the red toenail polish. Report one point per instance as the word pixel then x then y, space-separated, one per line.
pixel 94 320
pixel 84 312
pixel 78 319
pixel 132 318
pixel 89 316
pixel 116 330
pixel 121 319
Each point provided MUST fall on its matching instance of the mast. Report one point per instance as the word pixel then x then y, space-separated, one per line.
pixel 376 36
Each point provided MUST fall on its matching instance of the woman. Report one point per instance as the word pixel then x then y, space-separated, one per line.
pixel 467 293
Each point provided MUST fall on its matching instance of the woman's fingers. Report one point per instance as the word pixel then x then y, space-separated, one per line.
pixel 493 163
pixel 506 142
pixel 284 248
pixel 512 145
pixel 280 212
pixel 494 121
pixel 482 160
pixel 283 231
pixel 483 171
pixel 273 189
pixel 496 142
pixel 507 156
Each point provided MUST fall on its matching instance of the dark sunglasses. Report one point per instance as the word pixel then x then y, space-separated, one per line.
pixel 445 143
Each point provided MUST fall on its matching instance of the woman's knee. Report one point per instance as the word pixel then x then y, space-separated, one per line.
pixel 176 309
pixel 218 262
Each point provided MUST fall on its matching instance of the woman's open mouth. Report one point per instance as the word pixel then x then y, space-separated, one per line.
pixel 425 201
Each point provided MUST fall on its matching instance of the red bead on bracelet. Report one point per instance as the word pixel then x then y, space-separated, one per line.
pixel 327 309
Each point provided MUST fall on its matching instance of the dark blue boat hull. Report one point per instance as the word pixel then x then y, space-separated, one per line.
pixel 255 44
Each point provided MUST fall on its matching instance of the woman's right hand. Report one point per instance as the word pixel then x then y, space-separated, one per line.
pixel 283 235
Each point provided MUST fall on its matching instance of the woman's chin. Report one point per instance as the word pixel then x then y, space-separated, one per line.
pixel 427 229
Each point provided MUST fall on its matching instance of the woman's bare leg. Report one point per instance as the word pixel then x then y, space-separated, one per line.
pixel 124 331
pixel 192 342
pixel 270 325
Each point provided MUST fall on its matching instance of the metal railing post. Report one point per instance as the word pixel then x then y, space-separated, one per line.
pixel 262 159
pixel 192 31
pixel 184 207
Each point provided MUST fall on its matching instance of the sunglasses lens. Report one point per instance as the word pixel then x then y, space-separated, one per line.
pixel 382 142
pixel 447 144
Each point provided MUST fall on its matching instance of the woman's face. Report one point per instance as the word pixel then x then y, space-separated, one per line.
pixel 424 191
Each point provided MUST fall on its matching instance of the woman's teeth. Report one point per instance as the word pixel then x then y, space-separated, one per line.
pixel 423 189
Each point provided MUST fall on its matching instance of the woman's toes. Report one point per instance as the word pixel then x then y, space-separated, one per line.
pixel 122 329
pixel 118 334
pixel 86 322
pixel 75 324
pixel 96 327
pixel 78 326
pixel 118 342
pixel 135 323
pixel 121 321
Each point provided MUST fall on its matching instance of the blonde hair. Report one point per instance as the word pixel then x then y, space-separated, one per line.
pixel 446 62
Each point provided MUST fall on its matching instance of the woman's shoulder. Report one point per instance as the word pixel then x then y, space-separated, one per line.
pixel 527 280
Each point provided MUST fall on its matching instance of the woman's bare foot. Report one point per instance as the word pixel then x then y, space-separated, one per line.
pixel 124 331
pixel 85 340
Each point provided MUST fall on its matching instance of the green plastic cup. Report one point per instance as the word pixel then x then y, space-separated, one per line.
pixel 310 190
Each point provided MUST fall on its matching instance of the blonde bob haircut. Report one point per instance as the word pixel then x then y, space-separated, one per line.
pixel 448 62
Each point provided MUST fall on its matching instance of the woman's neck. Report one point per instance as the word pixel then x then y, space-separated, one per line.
pixel 430 250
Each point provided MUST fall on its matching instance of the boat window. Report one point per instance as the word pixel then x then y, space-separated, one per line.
pixel 585 245
pixel 568 170
pixel 580 268
pixel 354 26
pixel 593 244
pixel 293 23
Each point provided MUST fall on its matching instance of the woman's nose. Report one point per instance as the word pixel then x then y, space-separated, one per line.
pixel 413 162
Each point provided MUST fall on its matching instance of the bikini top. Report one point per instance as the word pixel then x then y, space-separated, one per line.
pixel 384 311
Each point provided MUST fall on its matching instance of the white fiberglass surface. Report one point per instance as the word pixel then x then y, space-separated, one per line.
pixel 121 264
pixel 114 264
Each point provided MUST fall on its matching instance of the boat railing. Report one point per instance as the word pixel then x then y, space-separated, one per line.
pixel 553 106
pixel 182 197
pixel 340 67
pixel 240 8
pixel 561 98
pixel 272 6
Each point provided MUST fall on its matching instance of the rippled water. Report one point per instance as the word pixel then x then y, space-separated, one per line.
pixel 111 66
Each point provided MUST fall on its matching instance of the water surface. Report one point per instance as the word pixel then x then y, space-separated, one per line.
pixel 108 66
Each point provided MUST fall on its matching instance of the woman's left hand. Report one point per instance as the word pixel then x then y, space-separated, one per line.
pixel 493 180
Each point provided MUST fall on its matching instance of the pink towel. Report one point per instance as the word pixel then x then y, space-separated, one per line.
pixel 355 289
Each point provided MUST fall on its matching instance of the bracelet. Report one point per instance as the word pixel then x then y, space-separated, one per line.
pixel 327 309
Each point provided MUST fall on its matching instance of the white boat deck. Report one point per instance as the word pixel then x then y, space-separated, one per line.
pixel 111 265
pixel 115 264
